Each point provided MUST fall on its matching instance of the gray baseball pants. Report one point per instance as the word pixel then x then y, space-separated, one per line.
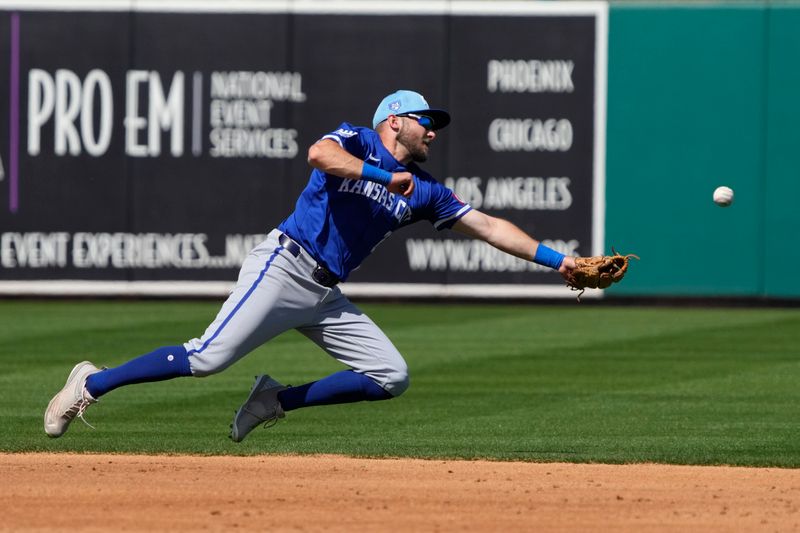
pixel 275 293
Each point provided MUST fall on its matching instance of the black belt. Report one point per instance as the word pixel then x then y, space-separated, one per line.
pixel 321 275
pixel 289 245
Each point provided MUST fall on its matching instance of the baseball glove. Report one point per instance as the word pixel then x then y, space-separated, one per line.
pixel 597 272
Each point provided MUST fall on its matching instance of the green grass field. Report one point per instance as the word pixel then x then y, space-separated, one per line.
pixel 582 383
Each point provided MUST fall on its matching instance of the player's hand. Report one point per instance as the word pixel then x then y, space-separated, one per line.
pixel 567 265
pixel 402 183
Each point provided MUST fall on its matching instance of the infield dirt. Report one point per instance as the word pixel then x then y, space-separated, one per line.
pixel 65 492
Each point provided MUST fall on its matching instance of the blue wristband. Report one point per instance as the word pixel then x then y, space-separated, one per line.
pixel 378 175
pixel 548 257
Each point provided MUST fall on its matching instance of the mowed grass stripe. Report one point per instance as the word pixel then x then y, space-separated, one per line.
pixel 537 383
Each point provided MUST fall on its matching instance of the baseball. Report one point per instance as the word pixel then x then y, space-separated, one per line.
pixel 723 196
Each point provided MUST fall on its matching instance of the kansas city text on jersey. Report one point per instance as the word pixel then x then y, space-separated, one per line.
pixel 377 192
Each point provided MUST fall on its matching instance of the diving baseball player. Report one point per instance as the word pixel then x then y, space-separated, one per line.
pixel 365 185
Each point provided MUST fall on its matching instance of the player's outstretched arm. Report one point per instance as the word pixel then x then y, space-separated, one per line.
pixel 327 156
pixel 508 237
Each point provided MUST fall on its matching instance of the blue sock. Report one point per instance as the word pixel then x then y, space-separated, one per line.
pixel 342 387
pixel 164 363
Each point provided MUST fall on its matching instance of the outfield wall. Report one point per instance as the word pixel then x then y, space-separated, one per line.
pixel 696 97
pixel 700 97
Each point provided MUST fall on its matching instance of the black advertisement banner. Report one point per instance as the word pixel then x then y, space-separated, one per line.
pixel 158 146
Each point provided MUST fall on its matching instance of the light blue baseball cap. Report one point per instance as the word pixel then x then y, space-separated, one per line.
pixel 403 102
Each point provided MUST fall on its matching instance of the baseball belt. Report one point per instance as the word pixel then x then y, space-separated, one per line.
pixel 321 275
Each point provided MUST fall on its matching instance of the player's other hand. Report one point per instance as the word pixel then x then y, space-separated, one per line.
pixel 402 183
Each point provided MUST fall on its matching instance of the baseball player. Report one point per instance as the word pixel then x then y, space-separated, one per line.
pixel 365 185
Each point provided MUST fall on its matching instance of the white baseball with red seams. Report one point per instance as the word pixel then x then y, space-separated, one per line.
pixel 723 196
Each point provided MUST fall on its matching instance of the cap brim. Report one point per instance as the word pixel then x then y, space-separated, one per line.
pixel 441 118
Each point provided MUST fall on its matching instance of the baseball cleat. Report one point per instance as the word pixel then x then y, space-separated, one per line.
pixel 262 406
pixel 70 402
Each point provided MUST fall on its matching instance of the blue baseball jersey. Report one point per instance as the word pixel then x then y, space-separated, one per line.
pixel 340 221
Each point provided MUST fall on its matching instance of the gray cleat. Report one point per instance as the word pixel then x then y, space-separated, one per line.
pixel 262 406
pixel 70 402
